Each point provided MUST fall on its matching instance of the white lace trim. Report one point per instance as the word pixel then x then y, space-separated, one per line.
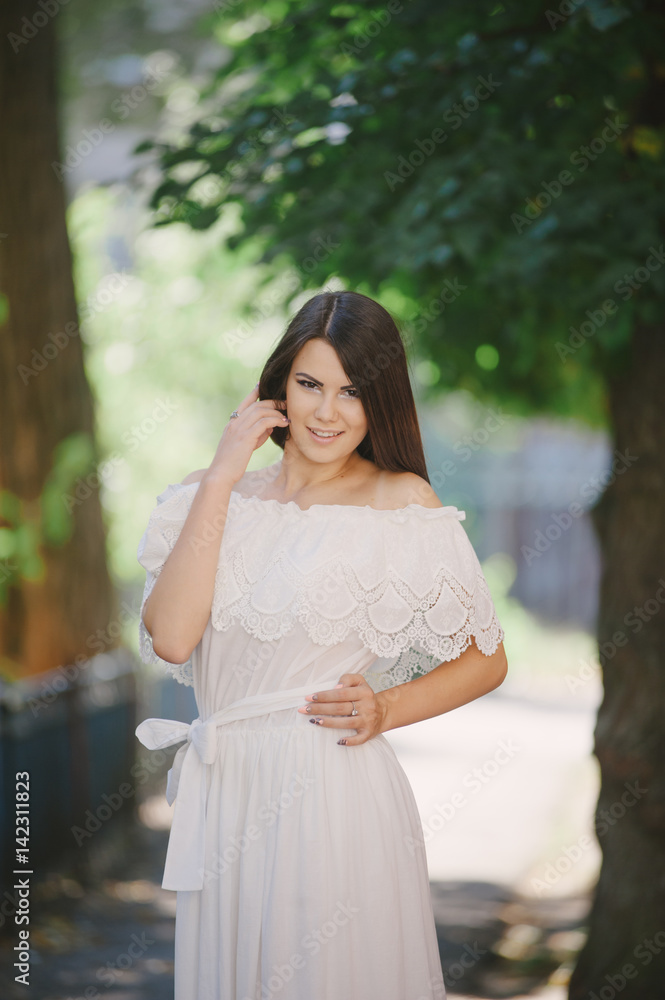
pixel 407 581
pixel 182 672
pixel 164 526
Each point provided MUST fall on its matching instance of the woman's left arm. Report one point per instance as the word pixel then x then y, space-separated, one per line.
pixel 448 686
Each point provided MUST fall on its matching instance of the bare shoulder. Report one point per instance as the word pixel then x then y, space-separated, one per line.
pixel 399 489
pixel 194 477
pixel 253 479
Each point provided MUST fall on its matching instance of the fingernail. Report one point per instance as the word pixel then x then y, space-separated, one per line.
pixel 311 697
pixel 317 722
pixel 342 743
pixel 339 685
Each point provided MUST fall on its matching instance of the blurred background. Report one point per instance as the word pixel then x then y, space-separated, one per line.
pixel 176 180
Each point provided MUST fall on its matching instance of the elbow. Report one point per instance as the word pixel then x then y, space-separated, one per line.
pixel 170 654
pixel 500 667
pixel 165 649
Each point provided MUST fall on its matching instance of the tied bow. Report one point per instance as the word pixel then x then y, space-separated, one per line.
pixel 187 784
pixel 159 733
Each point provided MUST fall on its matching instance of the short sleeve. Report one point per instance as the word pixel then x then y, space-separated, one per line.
pixel 438 603
pixel 164 527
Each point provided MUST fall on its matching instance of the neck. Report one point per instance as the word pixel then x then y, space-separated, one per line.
pixel 296 473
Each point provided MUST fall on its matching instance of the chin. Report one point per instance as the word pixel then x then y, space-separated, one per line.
pixel 323 453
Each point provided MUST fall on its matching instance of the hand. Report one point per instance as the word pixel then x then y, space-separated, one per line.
pixel 245 433
pixel 333 708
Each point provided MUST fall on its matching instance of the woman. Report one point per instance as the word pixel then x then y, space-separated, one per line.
pixel 296 848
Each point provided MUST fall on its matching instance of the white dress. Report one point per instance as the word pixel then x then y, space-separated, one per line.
pixel 299 864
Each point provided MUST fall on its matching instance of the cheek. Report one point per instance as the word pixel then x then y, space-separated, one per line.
pixel 360 421
pixel 297 406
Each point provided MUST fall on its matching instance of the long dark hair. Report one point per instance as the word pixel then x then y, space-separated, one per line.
pixel 371 352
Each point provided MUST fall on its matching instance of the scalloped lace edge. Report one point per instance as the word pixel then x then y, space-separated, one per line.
pixel 431 650
pixel 181 672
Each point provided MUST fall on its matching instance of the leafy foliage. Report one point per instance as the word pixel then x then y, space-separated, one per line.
pixel 540 191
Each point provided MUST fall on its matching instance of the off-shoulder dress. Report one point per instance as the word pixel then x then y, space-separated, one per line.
pixel 299 864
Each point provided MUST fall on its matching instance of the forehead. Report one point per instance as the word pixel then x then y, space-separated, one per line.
pixel 318 357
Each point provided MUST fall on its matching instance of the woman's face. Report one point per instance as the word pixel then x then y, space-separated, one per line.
pixel 319 397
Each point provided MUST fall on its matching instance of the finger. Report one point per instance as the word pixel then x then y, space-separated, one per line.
pixel 352 680
pixel 354 741
pixel 250 398
pixel 335 721
pixel 328 708
pixel 271 418
pixel 327 697
pixel 339 693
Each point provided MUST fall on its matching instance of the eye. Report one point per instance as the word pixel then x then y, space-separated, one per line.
pixel 307 383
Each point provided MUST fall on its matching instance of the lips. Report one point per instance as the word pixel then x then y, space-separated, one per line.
pixel 325 436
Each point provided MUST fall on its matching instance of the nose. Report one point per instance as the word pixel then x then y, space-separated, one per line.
pixel 326 410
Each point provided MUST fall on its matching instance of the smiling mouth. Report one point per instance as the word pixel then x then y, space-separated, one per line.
pixel 324 434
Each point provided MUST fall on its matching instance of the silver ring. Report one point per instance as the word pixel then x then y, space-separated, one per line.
pixel 355 710
pixel 234 414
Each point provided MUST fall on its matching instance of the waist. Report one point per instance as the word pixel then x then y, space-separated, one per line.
pixel 239 716
pixel 187 783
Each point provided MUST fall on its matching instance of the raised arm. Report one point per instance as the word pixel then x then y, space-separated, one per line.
pixel 178 608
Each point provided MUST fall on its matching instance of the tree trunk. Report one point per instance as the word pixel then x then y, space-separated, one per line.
pixel 44 394
pixel 625 952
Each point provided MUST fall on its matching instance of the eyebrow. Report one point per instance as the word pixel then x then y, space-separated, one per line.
pixel 311 377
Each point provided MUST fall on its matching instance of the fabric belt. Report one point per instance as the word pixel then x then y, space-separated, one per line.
pixel 187 778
